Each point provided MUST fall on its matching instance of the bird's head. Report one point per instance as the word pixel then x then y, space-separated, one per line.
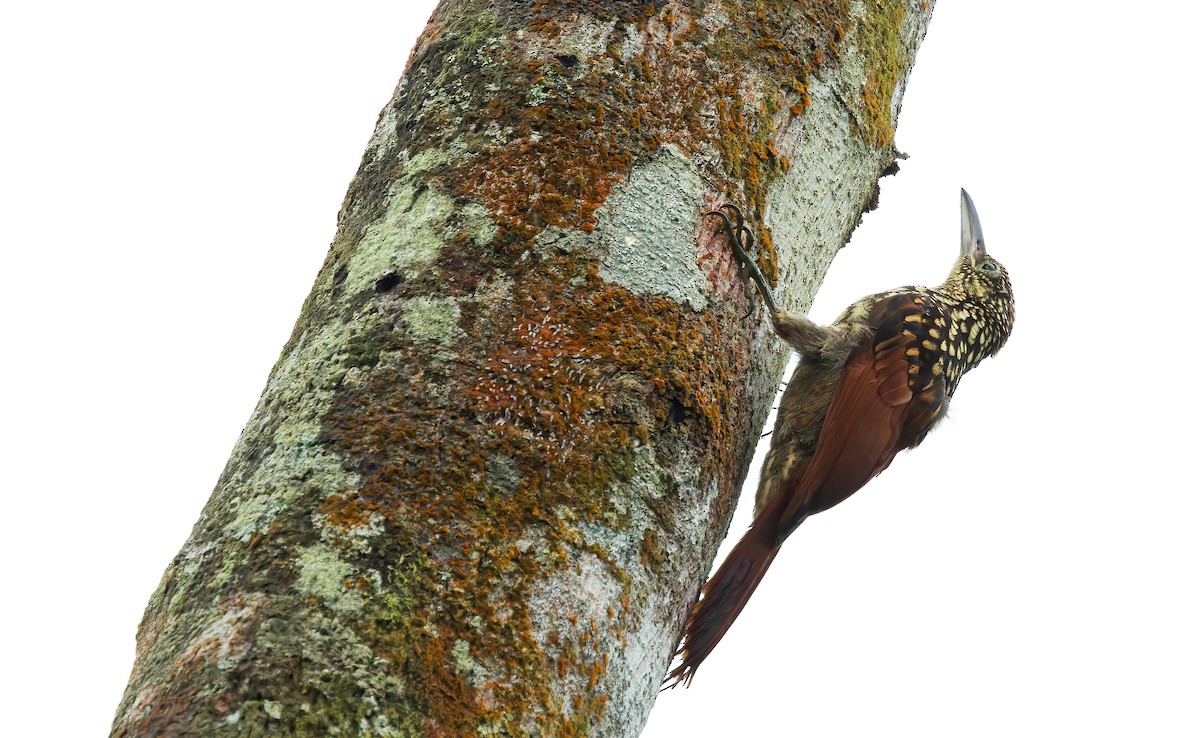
pixel 978 280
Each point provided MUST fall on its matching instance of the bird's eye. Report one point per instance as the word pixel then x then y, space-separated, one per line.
pixel 988 266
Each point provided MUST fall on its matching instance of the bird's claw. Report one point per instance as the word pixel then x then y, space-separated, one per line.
pixel 741 240
pixel 740 237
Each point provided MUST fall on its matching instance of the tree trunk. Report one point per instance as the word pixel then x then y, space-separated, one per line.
pixel 495 459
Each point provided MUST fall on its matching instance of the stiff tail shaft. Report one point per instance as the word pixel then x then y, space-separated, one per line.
pixel 723 597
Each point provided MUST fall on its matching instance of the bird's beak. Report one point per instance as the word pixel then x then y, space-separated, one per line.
pixel 972 232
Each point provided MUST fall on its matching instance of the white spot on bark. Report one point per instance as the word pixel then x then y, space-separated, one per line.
pixel 634 44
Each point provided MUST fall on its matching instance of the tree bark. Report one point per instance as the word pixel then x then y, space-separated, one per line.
pixel 496 457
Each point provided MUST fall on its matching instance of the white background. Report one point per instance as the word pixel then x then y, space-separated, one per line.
pixel 170 180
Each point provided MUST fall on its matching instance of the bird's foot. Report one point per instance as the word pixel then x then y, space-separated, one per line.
pixel 741 240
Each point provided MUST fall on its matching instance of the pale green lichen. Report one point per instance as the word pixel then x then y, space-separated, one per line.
pixel 384 138
pixel 255 513
pixel 379 725
pixel 411 232
pixel 277 481
pixel 192 558
pixel 297 461
pixel 406 240
pixel 297 432
pixel 229 566
pixel 464 663
pixel 548 87
pixel 323 575
pixel 433 319
pixel 475 53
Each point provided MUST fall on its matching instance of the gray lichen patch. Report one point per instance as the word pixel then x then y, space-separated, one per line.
pixel 644 652
pixel 323 574
pixel 647 231
pixel 623 585
pixel 635 502
pixel 555 596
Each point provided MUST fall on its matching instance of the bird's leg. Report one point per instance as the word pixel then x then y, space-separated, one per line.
pixel 798 331
pixel 740 240
pixel 802 334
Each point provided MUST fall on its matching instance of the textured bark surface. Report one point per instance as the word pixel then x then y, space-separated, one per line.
pixel 493 464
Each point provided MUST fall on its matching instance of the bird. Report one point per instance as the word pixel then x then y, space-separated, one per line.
pixel 870 385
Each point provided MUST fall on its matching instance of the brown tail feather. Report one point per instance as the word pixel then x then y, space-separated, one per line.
pixel 723 597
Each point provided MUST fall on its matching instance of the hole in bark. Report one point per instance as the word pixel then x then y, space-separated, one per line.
pixel 387 282
pixel 677 412
pixel 567 60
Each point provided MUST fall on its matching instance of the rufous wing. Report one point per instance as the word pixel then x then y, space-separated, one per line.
pixel 888 397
